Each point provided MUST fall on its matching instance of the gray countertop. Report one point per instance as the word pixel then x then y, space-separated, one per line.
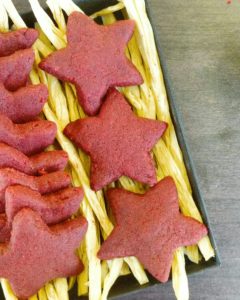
pixel 200 43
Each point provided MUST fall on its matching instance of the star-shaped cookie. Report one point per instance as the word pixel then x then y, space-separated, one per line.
pixel 150 227
pixel 94 59
pixel 37 253
pixel 118 142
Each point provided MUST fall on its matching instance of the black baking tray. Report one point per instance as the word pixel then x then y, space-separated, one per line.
pixel 126 285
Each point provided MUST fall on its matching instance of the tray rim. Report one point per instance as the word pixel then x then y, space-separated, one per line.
pixel 181 136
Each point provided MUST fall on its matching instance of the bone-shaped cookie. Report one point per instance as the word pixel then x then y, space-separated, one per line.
pixel 39 252
pixel 17 40
pixel 44 184
pixel 5 230
pixel 44 162
pixel 15 69
pixel 29 138
pixel 53 208
pixel 24 104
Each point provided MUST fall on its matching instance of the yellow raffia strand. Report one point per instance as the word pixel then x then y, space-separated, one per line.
pixel 43 49
pixel 125 269
pixel 42 294
pixel 92 246
pixel 68 6
pixel 111 277
pixel 82 278
pixel 71 282
pixel 136 10
pixel 179 276
pixel 57 14
pixel 108 10
pixel 54 34
pixel 51 292
pixel 4 26
pixel 104 266
pixel 13 14
pixel 35 297
pixel 56 92
pixel 44 41
pixel 186 202
pixel 193 254
pixel 7 290
pixel 61 287
pixel 75 111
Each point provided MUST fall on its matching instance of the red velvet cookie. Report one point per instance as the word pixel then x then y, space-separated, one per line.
pixel 49 161
pixel 37 254
pixel 13 158
pixel 118 142
pixel 24 104
pixel 16 40
pixel 53 208
pixel 94 59
pixel 44 162
pixel 28 138
pixel 150 227
pixel 5 229
pixel 15 69
pixel 44 184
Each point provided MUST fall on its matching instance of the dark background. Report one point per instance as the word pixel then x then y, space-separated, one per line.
pixel 200 45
